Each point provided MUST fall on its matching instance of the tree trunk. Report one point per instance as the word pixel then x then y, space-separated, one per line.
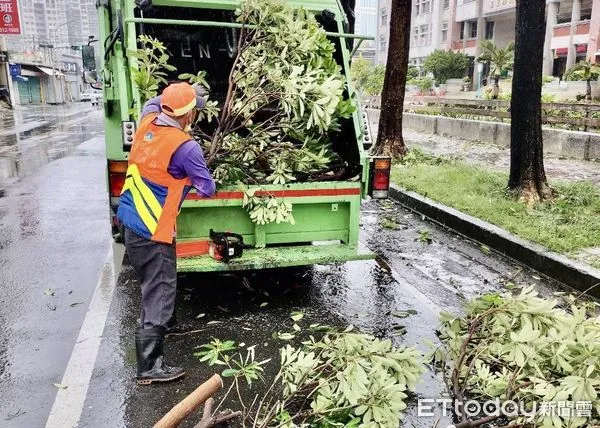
pixel 349 7
pixel 527 176
pixel 588 92
pixel 389 136
pixel 496 89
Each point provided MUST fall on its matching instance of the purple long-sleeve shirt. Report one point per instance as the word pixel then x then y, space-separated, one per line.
pixel 188 160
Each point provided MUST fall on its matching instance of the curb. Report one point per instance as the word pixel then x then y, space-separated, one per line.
pixel 571 273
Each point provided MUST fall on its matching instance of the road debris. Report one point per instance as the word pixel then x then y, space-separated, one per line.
pixel 15 415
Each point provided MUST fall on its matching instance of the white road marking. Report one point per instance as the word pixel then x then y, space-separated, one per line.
pixel 69 402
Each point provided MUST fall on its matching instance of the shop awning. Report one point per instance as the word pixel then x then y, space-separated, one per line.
pixel 30 70
pixel 50 72
pixel 579 49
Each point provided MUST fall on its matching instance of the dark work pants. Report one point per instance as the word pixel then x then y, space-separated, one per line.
pixel 156 267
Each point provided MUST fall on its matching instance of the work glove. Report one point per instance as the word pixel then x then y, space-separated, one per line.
pixel 201 95
pixel 201 91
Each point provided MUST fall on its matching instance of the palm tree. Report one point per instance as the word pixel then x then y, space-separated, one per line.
pixel 500 59
pixel 588 72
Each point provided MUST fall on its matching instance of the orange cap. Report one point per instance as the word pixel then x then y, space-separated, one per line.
pixel 177 99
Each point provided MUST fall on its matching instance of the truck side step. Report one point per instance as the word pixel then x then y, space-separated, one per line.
pixel 276 257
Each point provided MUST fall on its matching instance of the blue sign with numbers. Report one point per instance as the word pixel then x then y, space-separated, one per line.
pixel 15 69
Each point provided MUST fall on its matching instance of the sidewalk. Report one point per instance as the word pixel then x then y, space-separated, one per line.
pixel 497 158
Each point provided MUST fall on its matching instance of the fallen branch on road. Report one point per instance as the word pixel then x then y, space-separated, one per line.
pixel 190 403
pixel 209 420
pixel 519 354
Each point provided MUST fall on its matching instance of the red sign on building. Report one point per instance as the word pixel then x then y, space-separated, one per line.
pixel 9 17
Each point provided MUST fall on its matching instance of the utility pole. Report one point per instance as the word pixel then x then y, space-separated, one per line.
pixel 51 48
pixel 5 78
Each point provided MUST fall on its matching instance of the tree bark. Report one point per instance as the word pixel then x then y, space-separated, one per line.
pixel 389 136
pixel 349 6
pixel 527 175
pixel 496 89
pixel 588 91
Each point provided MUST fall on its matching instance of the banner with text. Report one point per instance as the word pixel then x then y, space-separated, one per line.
pixel 9 17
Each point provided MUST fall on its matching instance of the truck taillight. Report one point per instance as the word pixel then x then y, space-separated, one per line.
pixel 116 177
pixel 380 177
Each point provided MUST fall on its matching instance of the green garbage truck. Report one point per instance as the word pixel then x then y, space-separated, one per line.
pixel 201 35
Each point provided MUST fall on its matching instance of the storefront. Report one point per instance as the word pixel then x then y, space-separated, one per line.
pixel 72 81
pixel 54 85
pixel 29 85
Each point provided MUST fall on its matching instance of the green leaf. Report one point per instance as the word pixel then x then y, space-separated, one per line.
pixel 297 316
pixel 285 336
pixel 229 372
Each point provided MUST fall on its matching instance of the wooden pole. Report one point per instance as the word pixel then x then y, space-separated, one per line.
pixel 190 403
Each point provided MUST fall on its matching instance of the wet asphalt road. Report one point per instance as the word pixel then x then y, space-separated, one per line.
pixel 424 277
pixel 54 240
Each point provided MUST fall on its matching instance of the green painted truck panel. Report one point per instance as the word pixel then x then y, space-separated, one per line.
pixel 313 5
pixel 323 211
pixel 277 257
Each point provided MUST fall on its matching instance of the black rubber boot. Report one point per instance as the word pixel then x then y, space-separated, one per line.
pixel 149 345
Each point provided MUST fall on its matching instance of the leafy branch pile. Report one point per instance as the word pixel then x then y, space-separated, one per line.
pixel 152 67
pixel 345 379
pixel 285 95
pixel 526 349
pixel 285 99
pixel 267 209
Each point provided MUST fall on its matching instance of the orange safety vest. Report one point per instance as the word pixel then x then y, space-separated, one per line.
pixel 151 197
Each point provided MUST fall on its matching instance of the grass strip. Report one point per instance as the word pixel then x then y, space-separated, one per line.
pixel 567 224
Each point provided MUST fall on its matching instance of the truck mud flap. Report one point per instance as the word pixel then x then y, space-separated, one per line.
pixel 277 257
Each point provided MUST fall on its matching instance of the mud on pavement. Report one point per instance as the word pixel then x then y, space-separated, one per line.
pixel 421 269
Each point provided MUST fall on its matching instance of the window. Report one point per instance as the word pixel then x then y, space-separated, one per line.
pixel 382 44
pixel 473 28
pixel 383 15
pixel 462 31
pixel 444 31
pixel 415 36
pixel 489 30
pixel 422 6
pixel 446 4
pixel 423 35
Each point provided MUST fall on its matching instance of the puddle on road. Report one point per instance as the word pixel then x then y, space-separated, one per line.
pixel 26 152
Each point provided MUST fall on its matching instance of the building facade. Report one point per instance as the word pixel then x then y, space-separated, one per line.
pixel 50 70
pixel 572 29
pixel 367 25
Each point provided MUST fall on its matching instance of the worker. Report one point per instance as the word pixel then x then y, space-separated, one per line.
pixel 165 161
